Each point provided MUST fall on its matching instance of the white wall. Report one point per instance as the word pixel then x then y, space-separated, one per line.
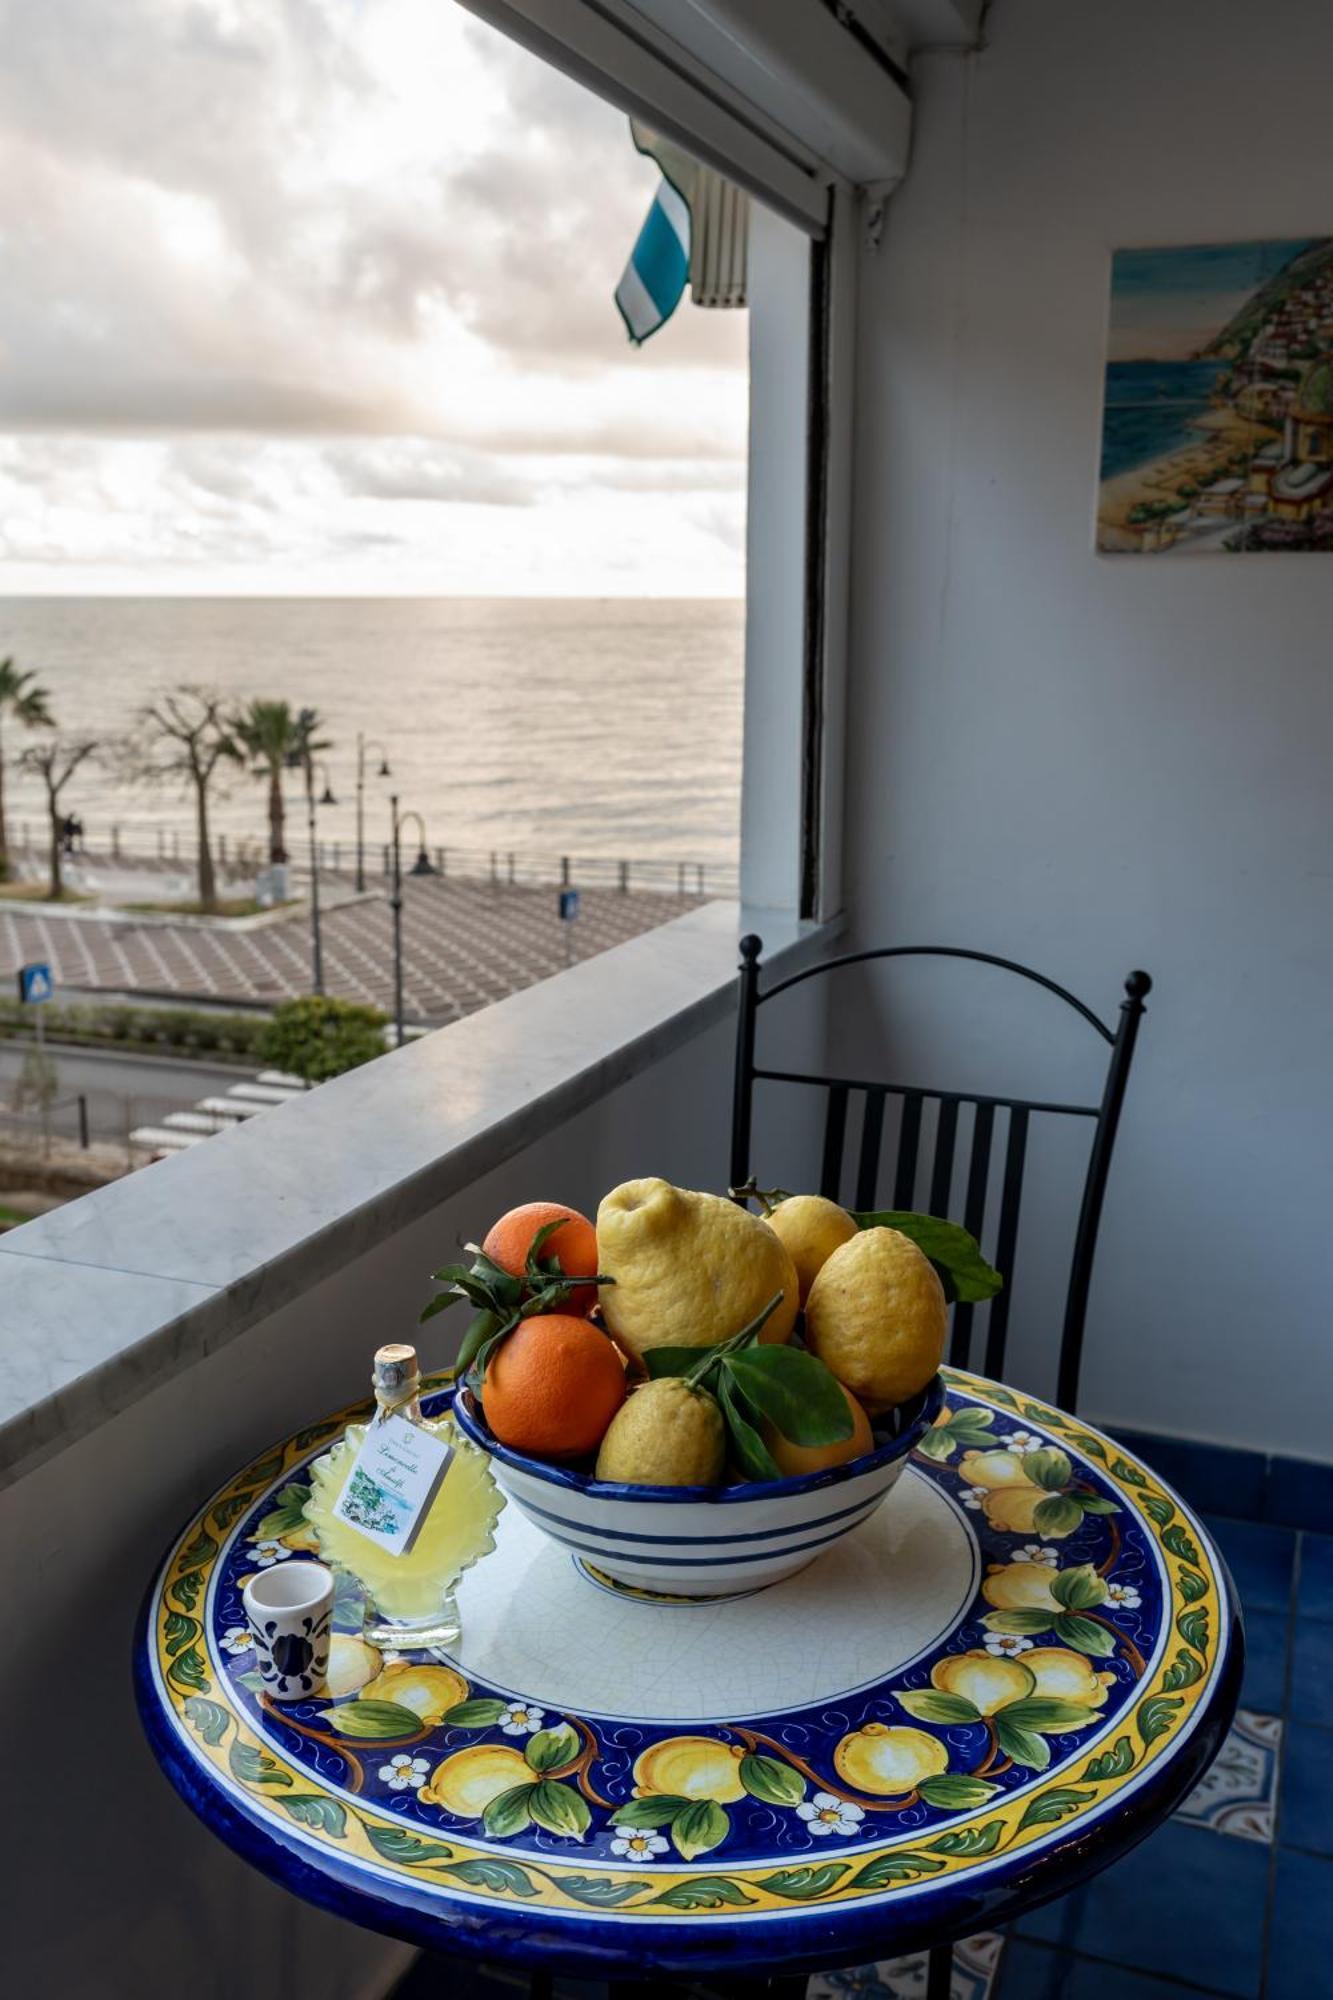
pixel 1094 763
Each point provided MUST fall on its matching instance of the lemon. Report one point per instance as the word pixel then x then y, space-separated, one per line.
pixel 352 1662
pixel 1067 1676
pixel 877 1317
pixel 691 1767
pixel 886 1761
pixel 1021 1587
pixel 982 1678
pixel 465 1783
pixel 689 1269
pixel 665 1434
pixel 428 1691
pixel 996 1468
pixel 812 1227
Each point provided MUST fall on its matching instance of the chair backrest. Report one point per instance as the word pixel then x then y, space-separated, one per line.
pixel 1005 1119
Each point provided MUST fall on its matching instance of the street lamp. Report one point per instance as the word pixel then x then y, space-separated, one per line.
pixel 421 866
pixel 361 748
pixel 305 723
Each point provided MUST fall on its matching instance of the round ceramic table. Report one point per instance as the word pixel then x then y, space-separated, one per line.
pixel 994 1686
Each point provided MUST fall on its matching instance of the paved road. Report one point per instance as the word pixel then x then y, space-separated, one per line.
pixel 122 1090
pixel 465 944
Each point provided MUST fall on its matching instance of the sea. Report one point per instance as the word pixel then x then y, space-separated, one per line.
pixel 1152 407
pixel 592 727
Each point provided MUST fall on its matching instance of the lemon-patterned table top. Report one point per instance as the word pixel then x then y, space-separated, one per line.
pixel 1006 1676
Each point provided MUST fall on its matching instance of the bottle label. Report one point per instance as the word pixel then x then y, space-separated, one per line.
pixel 394 1478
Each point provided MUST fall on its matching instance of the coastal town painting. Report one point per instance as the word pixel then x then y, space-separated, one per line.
pixel 1217 433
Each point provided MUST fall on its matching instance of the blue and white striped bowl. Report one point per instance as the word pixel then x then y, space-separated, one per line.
pixel 701 1541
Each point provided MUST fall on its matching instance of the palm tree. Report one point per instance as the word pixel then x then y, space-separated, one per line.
pixel 276 739
pixel 22 697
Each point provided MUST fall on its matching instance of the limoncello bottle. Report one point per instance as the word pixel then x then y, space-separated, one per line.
pixel 405 1514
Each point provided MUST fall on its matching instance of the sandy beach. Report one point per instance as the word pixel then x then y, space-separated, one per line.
pixel 1224 434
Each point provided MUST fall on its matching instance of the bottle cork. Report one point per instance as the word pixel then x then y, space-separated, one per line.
pixel 395 1368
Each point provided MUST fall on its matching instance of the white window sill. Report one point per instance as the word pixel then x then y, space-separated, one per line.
pixel 103 1301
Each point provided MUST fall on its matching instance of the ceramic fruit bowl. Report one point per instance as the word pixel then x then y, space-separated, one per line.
pixel 703 1541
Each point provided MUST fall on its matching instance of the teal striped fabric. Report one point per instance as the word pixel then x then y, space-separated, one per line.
pixel 659 266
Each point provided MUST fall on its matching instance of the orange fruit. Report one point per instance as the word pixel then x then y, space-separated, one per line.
pixel 795 1460
pixel 553 1386
pixel 574 1247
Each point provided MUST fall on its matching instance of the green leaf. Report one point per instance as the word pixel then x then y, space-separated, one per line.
pixel 1085 1635
pixel 1183 1672
pixel 375 1720
pixel 1122 1469
pixel 938 1444
pixel 208 1717
pixel 811 1880
pixel 226 1511
pixel 187 1670
pixel 1191 1585
pixel 748 1448
pixel 1193 1628
pixel 1092 1503
pixel 286 1514
pixel 946 1244
pixel 646 1815
pixel 509 1812
pixel 955 1793
pixel 267 1469
pixel 701 1827
pixel 186 1588
pixel 1020 1624
pixel 253 1680
pixel 1054 1806
pixel 1079 1588
pixel 312 1809
pixel 776 1784
pixel 703 1892
pixel 505 1876
pixel 395 1843
pixel 1086 1442
pixel 1022 1745
pixel 253 1766
pixel 315 1433
pixel 1180 1545
pixel 1154 1715
pixel 1158 1507
pixel 180 1631
pixel 201 1550
pixel 550 1748
pixel 971 1425
pixel 1112 1763
pixel 601 1890
pixel 1047 1711
pixel 903 1866
pixel 1048 1468
pixel 1057 1514
pixel 794 1390
pixel 479 1714
pixel 673 1360
pixel 971 1839
pixel 933 1705
pixel 560 1809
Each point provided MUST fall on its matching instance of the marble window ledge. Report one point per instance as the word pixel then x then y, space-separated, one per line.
pixel 105 1299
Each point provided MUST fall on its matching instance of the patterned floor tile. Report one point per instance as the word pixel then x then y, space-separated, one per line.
pixel 975 1962
pixel 1238 1794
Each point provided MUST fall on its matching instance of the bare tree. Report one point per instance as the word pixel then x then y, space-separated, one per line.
pixel 24 699
pixel 55 761
pixel 184 736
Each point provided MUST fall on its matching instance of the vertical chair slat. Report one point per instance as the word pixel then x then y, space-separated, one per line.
pixel 974 1218
pixel 835 1133
pixel 1006 1242
pixel 941 1177
pixel 872 1133
pixel 909 1141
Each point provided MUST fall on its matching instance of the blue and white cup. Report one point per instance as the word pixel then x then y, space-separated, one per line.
pixel 290 1610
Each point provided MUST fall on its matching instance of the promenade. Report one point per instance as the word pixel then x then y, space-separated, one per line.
pixel 465 945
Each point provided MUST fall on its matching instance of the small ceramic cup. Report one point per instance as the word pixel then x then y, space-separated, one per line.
pixel 290 1608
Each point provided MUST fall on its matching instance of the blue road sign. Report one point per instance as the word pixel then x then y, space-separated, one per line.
pixel 569 905
pixel 35 983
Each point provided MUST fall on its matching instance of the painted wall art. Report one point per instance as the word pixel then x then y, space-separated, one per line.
pixel 1217 433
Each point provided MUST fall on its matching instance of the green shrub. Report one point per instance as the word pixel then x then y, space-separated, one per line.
pixel 317 1038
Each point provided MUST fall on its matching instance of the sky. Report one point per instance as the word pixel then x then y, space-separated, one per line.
pixel 316 296
pixel 1168 303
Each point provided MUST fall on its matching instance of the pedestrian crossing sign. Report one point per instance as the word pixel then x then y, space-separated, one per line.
pixel 35 983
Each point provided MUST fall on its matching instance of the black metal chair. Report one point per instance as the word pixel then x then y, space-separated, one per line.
pixel 1018 1114
pixel 1012 1115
